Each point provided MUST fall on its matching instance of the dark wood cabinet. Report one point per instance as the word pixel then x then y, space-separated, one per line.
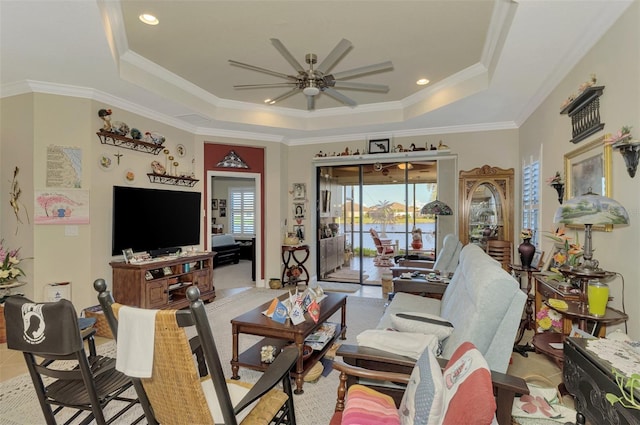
pixel 486 205
pixel 162 283
pixel 589 378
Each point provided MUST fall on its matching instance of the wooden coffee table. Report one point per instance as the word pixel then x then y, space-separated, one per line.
pixel 283 334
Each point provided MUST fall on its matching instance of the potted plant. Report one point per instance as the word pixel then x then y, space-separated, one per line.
pixel 628 386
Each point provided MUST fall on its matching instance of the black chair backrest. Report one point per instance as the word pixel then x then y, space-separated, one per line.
pixel 42 328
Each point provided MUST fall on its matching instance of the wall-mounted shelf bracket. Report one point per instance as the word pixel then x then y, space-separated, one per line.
pixel 107 138
pixel 584 111
pixel 172 180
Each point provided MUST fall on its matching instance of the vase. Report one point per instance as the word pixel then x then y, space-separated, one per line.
pixel 416 244
pixel 275 283
pixel 526 250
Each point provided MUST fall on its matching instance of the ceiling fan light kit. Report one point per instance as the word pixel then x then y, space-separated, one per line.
pixel 312 82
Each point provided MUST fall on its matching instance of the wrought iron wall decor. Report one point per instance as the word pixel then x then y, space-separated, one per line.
pixel 232 160
pixel 584 112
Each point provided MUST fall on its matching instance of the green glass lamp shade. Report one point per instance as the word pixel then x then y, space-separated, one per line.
pixel 436 208
pixel 593 209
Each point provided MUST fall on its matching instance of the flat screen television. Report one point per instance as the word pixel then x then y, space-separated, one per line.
pixel 154 220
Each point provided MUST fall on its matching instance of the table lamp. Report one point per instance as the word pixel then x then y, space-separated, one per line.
pixel 436 208
pixel 591 209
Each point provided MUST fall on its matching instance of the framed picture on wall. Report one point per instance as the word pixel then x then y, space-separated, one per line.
pixel 298 209
pixel 299 191
pixel 379 145
pixel 588 168
pixel 214 204
pixel 222 203
pixel 223 211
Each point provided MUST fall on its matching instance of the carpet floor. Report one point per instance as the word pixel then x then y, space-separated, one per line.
pixel 340 287
pixel 19 404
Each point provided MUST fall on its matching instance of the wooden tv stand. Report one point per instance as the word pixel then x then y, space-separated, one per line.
pixel 162 283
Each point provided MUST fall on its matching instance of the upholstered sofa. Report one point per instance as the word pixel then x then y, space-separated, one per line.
pixel 226 248
pixel 484 304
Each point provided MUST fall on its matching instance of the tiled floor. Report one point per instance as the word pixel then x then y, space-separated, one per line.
pixel 230 279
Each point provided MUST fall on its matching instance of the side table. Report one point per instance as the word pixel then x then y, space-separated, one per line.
pixel 542 341
pixel 528 321
pixel 294 257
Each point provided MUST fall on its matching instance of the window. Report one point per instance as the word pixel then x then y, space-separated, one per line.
pixel 531 199
pixel 242 210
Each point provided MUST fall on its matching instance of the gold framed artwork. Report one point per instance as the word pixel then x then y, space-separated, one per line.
pixel 588 168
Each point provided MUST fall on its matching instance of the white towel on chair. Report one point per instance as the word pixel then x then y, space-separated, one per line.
pixel 136 337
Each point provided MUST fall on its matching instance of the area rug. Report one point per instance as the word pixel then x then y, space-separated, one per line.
pixel 345 275
pixel 19 405
pixel 340 287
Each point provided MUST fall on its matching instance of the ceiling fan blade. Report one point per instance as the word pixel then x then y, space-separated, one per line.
pixel 378 67
pixel 335 55
pixel 361 86
pixel 287 55
pixel 261 86
pixel 339 96
pixel 284 96
pixel 311 103
pixel 266 71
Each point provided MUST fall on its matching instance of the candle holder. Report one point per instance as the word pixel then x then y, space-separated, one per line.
pixel 559 187
pixel 630 152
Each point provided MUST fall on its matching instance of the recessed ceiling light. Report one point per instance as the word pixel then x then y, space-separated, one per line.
pixel 422 82
pixel 149 19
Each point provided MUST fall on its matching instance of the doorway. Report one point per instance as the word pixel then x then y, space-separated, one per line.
pixel 382 199
pixel 244 227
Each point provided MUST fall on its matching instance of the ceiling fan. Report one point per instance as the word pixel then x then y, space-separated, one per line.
pixel 313 81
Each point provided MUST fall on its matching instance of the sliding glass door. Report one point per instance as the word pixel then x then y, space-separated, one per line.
pixel 369 214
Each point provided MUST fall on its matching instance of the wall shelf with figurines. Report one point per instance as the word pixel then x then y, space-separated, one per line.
pixel 116 134
pixel 107 138
pixel 169 174
pixel 172 180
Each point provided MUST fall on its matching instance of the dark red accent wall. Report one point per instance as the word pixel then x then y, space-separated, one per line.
pixel 254 158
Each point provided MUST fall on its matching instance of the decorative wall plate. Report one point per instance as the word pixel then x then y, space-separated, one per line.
pixel 105 162
pixel 130 176
pixel 181 151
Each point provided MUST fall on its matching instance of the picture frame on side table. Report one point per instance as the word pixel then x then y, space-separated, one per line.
pixel 128 255
pixel 589 168
pixel 379 146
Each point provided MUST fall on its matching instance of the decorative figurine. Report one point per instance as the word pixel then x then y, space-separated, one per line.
pixel 105 115
pixel 136 134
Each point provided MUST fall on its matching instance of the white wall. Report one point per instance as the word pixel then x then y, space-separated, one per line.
pixel 615 60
